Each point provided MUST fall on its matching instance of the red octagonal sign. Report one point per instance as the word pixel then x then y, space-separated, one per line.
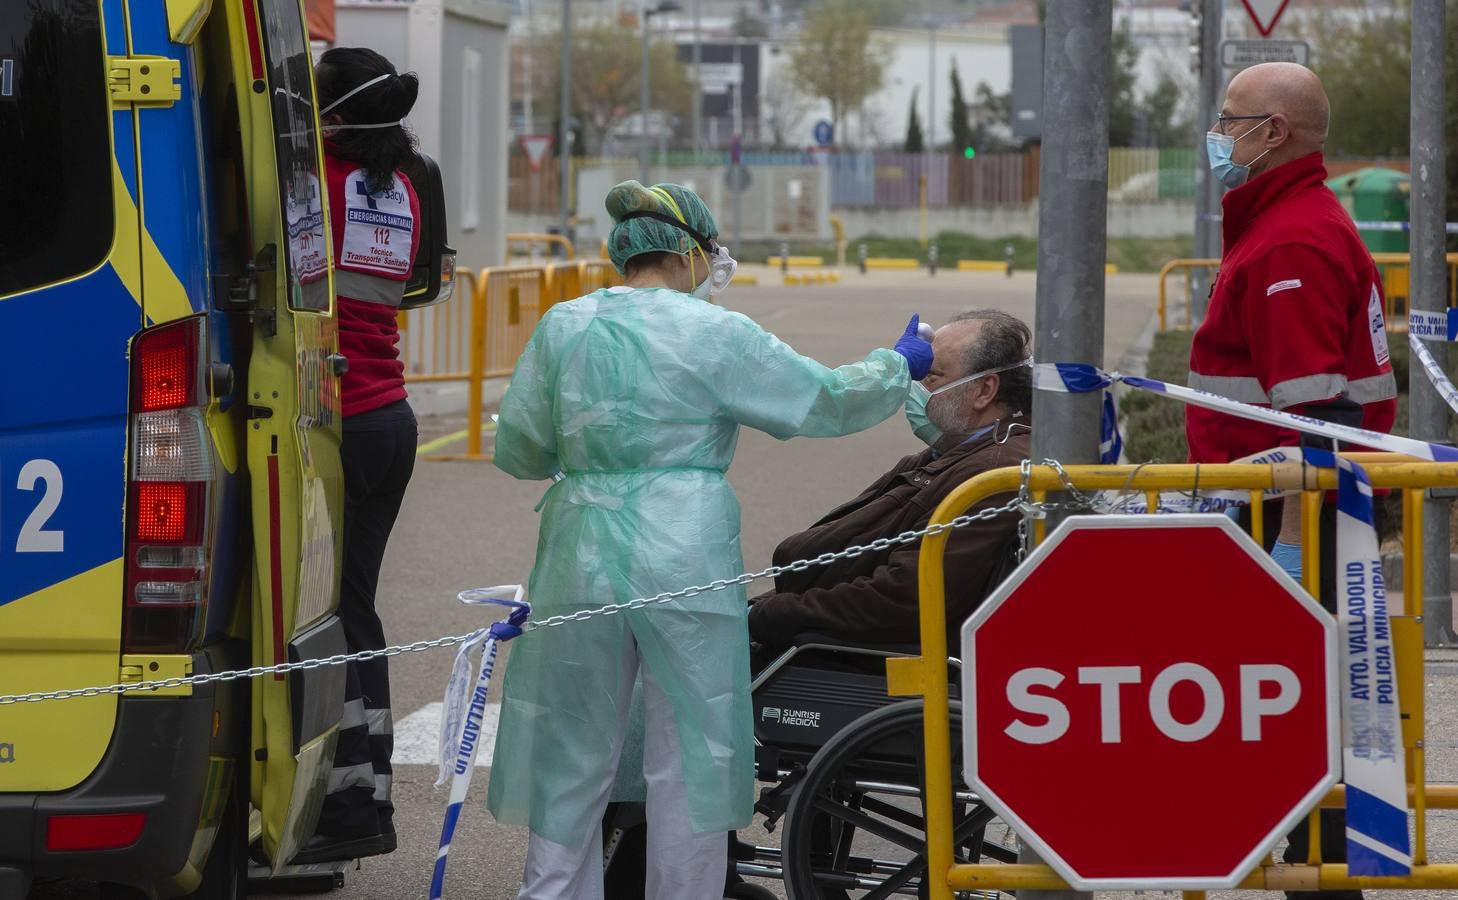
pixel 1150 702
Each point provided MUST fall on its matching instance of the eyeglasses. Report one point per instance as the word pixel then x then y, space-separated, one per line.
pixel 1222 121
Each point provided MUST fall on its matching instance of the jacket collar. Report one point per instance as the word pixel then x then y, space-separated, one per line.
pixel 1243 204
pixel 952 447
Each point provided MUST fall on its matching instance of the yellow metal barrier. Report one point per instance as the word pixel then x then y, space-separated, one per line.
pixel 1189 265
pixel 1395 267
pixel 535 238
pixel 434 342
pixel 926 675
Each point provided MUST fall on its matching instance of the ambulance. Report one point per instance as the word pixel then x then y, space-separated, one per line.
pixel 170 489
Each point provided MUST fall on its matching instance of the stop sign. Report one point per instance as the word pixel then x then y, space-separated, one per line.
pixel 1150 702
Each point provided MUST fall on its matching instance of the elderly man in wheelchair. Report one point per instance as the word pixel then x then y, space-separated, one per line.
pixel 842 759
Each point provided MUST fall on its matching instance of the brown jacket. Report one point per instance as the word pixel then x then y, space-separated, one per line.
pixel 873 598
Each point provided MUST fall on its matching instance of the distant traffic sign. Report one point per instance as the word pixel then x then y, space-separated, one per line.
pixel 736 178
pixel 535 146
pixel 1265 14
pixel 824 133
pixel 1243 54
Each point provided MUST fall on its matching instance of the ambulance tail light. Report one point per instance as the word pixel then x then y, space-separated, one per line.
pixel 171 475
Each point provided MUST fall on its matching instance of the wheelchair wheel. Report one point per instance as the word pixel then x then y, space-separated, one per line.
pixel 856 825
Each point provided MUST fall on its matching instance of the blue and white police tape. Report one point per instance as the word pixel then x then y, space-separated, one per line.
pixel 1081 378
pixel 464 711
pixel 1076 379
pixel 1423 325
pixel 1373 764
pixel 1373 757
pixel 1435 372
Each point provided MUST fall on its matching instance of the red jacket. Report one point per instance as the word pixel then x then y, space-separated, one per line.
pixel 1295 317
pixel 375 241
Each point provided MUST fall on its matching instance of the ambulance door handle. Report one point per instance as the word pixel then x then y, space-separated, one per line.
pixel 338 364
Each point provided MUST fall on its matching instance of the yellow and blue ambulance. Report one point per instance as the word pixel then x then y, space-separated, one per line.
pixel 170 492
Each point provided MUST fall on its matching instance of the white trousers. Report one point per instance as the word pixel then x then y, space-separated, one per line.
pixel 682 865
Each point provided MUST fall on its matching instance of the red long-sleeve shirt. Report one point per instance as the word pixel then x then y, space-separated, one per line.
pixel 376 237
pixel 1295 318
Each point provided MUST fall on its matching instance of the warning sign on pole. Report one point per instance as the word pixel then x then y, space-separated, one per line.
pixel 535 146
pixel 1265 14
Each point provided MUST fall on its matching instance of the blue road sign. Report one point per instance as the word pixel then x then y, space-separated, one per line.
pixel 824 133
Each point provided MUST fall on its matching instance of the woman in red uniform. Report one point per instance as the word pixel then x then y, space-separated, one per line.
pixel 373 213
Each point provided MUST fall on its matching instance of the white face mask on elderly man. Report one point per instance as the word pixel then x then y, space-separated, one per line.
pixel 916 402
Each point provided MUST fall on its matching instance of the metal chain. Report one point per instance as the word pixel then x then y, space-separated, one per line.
pixel 1021 503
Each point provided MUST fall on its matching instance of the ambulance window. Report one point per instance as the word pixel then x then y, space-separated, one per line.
pixel 301 197
pixel 55 144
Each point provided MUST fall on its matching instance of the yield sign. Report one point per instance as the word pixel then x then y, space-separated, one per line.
pixel 1265 14
pixel 535 146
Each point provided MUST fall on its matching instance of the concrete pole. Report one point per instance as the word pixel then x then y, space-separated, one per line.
pixel 931 97
pixel 1072 227
pixel 1072 206
pixel 1428 415
pixel 1207 190
pixel 643 105
pixel 564 131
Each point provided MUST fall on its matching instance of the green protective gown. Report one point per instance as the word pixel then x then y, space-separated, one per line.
pixel 637 397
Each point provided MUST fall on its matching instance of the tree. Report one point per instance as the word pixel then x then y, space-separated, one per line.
pixel 961 120
pixel 991 116
pixel 748 25
pixel 1123 108
pixel 1165 126
pixel 784 106
pixel 606 80
pixel 837 57
pixel 914 142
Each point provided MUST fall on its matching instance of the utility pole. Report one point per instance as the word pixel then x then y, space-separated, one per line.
pixel 564 131
pixel 526 73
pixel 698 85
pixel 1207 189
pixel 1073 203
pixel 643 105
pixel 1428 414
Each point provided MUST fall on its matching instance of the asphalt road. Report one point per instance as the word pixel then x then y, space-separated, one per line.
pixel 466 524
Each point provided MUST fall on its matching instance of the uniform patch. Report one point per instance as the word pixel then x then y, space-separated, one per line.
pixel 1290 284
pixel 1378 327
pixel 377 227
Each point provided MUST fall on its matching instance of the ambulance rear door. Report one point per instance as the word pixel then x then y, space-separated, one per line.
pixel 293 430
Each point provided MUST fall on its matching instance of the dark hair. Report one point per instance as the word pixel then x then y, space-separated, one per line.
pixel 654 259
pixel 1003 340
pixel 380 150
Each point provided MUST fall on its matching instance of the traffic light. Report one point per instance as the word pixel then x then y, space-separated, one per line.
pixel 969 152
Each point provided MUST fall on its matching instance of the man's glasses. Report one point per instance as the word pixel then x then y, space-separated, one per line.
pixel 1222 121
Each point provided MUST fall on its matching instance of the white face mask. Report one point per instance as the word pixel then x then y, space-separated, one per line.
pixel 329 129
pixel 721 271
pixel 974 376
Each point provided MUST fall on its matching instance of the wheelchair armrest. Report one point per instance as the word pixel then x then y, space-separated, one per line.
pixel 816 637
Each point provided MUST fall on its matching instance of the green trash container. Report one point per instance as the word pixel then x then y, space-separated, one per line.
pixel 1376 195
pixel 1381 195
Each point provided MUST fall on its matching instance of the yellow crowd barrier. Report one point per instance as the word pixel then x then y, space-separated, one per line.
pixel 481 332
pixel 549 240
pixel 1395 268
pixel 926 675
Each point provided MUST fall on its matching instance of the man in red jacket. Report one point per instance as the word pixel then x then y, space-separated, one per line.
pixel 1295 318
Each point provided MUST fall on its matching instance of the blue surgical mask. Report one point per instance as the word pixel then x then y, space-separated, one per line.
pixel 1220 148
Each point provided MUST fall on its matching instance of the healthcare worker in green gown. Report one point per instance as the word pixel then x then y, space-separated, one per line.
pixel 635 395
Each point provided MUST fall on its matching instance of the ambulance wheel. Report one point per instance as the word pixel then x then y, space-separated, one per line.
pixel 856 824
pixel 225 876
pixel 746 891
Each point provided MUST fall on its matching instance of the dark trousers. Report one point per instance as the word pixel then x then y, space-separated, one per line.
pixel 1333 821
pixel 378 455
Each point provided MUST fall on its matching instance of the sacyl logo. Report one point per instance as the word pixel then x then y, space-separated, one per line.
pixel 7 753
pixel 800 718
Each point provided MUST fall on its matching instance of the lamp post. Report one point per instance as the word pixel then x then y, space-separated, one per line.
pixel 663 7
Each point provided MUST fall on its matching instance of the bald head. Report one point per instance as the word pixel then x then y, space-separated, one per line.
pixel 1293 97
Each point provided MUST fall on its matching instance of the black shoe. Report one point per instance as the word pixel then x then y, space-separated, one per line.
pixel 324 848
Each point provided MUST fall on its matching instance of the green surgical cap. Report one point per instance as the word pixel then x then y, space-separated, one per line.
pixel 633 236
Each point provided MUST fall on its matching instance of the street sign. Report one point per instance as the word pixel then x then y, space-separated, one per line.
pixel 1150 702
pixel 535 146
pixel 824 133
pixel 718 77
pixel 1243 54
pixel 736 178
pixel 1265 14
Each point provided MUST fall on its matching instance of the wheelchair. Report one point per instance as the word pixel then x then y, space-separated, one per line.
pixel 843 764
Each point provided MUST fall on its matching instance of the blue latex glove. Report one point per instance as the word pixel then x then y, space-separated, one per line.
pixel 1288 557
pixel 916 349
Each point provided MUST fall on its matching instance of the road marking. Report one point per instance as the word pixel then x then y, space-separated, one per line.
pixel 417 737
